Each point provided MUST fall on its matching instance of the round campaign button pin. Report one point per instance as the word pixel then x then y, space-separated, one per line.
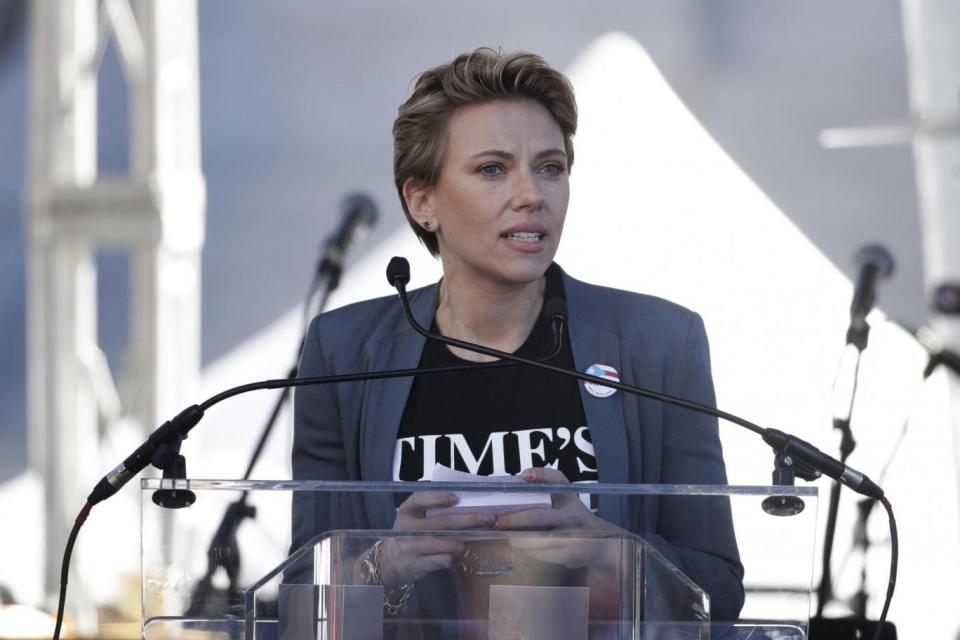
pixel 601 371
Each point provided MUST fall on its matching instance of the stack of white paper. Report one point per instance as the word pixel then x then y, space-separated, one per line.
pixel 495 502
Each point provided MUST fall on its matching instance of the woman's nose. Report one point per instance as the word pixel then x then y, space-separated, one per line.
pixel 527 195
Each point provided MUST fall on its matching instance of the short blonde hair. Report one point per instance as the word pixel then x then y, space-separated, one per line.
pixel 483 75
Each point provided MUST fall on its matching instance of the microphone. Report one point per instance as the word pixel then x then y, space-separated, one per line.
pixel 946 298
pixel 168 432
pixel 398 274
pixel 359 214
pixel 876 264
pixel 554 310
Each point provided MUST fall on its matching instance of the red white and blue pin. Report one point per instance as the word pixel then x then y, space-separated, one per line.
pixel 606 372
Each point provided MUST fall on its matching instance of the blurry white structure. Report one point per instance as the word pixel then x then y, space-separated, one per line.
pixel 155 212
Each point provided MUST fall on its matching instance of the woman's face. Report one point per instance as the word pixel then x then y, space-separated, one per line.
pixel 501 199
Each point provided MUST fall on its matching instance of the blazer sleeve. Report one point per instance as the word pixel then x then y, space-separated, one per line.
pixel 318 451
pixel 318 445
pixel 699 531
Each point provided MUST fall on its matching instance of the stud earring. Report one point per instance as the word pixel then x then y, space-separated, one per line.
pixel 426 225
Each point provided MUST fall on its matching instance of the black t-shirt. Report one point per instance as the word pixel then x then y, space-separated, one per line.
pixel 497 421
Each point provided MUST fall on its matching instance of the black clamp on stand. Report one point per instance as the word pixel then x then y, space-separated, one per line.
pixel 167 458
pixel 785 469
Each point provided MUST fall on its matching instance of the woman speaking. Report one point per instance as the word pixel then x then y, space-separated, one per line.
pixel 483 150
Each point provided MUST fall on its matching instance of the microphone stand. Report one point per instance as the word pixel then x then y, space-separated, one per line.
pixel 876 263
pixel 223 551
pixel 847 446
pixel 359 213
pixel 937 355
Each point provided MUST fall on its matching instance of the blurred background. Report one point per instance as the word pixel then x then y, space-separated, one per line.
pixel 170 171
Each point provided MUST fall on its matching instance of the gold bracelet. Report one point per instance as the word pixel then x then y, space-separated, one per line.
pixel 370 570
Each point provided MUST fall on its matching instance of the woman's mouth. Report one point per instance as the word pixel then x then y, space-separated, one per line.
pixel 524 236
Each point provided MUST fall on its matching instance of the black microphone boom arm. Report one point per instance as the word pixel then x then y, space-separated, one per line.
pixel 398 275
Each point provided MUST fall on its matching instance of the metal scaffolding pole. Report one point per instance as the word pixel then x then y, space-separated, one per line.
pixel 155 212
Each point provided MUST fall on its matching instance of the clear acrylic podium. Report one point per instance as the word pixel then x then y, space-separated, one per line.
pixel 604 582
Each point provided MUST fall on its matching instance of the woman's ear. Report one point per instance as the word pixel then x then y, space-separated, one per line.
pixel 420 204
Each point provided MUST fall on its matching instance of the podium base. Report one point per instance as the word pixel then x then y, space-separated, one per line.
pixel 849 629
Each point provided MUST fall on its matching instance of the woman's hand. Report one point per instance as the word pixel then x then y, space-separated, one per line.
pixel 407 559
pixel 567 514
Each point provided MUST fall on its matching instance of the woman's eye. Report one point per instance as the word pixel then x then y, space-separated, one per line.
pixel 553 169
pixel 490 170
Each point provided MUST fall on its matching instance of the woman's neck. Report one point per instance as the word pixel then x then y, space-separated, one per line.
pixel 499 318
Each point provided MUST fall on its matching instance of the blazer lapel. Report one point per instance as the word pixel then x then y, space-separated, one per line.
pixel 384 403
pixel 593 344
pixel 385 400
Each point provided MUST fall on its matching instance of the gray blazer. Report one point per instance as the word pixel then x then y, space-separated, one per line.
pixel 348 431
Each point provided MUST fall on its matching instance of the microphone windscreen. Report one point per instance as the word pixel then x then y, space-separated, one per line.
pixel 946 299
pixel 362 207
pixel 398 271
pixel 555 308
pixel 877 256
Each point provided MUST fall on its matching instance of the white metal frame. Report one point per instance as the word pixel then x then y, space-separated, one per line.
pixel 156 212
